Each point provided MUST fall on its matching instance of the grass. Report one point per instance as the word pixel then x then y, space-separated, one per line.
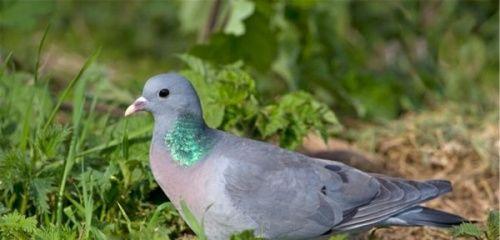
pixel 48 173
pixel 78 104
pixel 80 173
pixel 87 177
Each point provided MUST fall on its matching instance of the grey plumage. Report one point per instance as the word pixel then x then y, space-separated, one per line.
pixel 422 216
pixel 234 184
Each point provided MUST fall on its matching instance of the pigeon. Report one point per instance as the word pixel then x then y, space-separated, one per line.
pixel 231 184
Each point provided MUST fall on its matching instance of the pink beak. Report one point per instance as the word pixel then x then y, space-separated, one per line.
pixel 137 106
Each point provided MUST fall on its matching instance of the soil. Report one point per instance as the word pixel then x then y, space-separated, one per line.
pixel 427 146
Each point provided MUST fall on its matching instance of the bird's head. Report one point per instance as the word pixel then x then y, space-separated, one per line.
pixel 167 96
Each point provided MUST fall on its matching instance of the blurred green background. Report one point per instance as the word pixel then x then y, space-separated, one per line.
pixel 366 59
pixel 422 75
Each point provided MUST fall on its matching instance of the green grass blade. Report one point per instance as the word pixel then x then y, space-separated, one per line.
pixel 39 53
pixel 116 142
pixel 27 115
pixel 87 186
pixel 27 120
pixel 154 219
pixel 71 215
pixel 125 141
pixel 129 224
pixel 5 63
pixel 26 124
pixel 191 220
pixel 88 122
pixel 79 207
pixel 78 104
pixel 98 234
pixel 69 87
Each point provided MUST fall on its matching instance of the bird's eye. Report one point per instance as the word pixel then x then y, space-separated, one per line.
pixel 163 93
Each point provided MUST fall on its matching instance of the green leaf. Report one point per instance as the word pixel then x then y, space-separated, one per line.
pixel 292 125
pixel 14 168
pixel 3 209
pixel 245 235
pixel 201 75
pixel 493 225
pixel 218 89
pixel 271 120
pixel 52 232
pixel 15 224
pixel 466 230
pixel 228 98
pixel 239 11
pixel 198 66
pixel 214 114
pixel 339 237
pixel 40 188
pixel 233 85
pixel 257 47
pixel 48 142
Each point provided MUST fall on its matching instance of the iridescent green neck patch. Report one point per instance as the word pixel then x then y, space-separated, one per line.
pixel 189 140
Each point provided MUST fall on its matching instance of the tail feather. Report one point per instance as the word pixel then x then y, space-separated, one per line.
pixel 443 186
pixel 422 216
pixel 397 204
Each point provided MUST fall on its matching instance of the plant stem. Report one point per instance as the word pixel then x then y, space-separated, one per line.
pixel 40 47
pixel 24 200
pixel 207 30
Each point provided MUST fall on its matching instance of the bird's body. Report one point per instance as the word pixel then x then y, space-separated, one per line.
pixel 232 184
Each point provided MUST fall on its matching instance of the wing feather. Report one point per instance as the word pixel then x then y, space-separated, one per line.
pixel 395 196
pixel 290 194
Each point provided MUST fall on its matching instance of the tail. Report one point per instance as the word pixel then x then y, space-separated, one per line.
pixel 422 216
